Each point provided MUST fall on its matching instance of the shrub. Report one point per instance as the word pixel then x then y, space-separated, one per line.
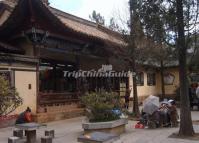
pixel 101 106
pixel 9 98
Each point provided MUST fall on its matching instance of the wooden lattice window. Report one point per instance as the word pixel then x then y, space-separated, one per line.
pixel 140 78
pixel 151 79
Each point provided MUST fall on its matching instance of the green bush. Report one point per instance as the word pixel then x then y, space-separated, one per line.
pixel 100 106
pixel 9 98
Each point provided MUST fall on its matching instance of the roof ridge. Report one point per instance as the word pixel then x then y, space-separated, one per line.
pixel 84 21
pixel 106 29
pixel 73 17
pixel 78 24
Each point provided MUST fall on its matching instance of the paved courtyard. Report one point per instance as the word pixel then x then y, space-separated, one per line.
pixel 67 131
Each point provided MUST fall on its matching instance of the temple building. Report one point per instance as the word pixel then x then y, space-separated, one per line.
pixel 39 44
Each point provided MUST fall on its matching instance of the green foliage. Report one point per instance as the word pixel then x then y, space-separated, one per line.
pixel 100 105
pixel 9 98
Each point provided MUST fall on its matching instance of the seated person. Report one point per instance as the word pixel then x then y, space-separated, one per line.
pixel 144 118
pixel 154 120
pixel 24 117
pixel 164 115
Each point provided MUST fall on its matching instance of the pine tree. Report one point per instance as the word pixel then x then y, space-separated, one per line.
pixel 97 18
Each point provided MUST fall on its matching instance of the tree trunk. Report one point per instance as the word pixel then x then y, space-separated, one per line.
pixel 162 80
pixel 132 47
pixel 186 127
pixel 136 110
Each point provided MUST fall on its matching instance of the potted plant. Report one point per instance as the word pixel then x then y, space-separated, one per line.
pixel 103 111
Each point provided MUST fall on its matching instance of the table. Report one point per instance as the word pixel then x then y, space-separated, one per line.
pixel 30 129
pixel 98 137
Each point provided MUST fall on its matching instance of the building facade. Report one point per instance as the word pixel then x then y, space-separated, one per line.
pixel 39 43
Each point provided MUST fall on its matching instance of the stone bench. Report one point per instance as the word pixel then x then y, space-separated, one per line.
pixel 13 139
pixel 46 139
pixel 50 133
pixel 18 133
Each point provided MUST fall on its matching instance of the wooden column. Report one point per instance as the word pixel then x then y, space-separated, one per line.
pixel 54 78
pixel 36 49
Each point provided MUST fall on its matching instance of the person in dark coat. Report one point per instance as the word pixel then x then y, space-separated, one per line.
pixel 127 99
pixel 173 114
pixel 191 97
pixel 24 117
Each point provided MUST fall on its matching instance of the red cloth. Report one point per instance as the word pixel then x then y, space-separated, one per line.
pixel 28 117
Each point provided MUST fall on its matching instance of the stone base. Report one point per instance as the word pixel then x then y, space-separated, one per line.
pixel 50 133
pixel 46 139
pixel 18 133
pixel 98 137
pixel 116 130
pixel 13 139
pixel 31 136
pixel 116 127
pixel 56 116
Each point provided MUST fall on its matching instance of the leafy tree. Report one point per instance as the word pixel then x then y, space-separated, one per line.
pixel 172 23
pixel 9 98
pixel 164 24
pixel 96 17
pixel 154 17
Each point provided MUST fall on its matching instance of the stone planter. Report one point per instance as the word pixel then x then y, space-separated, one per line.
pixel 115 127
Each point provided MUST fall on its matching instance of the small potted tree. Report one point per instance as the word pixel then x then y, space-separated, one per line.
pixel 103 111
pixel 9 101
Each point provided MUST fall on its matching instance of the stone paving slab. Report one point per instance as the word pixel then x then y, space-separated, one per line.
pixel 67 131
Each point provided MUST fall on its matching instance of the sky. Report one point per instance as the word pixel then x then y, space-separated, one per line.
pixel 83 8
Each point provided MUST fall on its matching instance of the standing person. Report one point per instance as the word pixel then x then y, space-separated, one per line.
pixel 127 98
pixel 191 95
pixel 197 95
pixel 173 114
pixel 197 91
pixel 24 117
